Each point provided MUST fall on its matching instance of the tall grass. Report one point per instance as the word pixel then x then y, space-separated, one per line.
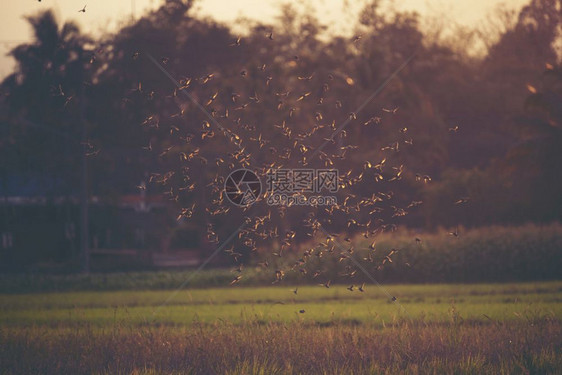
pixel 488 254
pixel 223 348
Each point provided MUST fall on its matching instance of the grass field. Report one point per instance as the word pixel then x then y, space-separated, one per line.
pixel 440 328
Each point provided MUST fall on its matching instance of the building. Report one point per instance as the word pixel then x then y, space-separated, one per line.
pixel 136 231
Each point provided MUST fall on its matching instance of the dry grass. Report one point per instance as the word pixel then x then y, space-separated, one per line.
pixel 295 348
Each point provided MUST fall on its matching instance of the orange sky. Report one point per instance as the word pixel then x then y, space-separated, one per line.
pixel 104 15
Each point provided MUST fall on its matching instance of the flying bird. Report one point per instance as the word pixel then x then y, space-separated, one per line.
pixel 455 233
pixel 236 43
pixel 393 111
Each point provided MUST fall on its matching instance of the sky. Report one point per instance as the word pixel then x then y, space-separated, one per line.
pixel 106 15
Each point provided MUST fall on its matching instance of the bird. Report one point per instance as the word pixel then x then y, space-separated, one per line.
pixel 92 153
pixel 455 233
pixel 59 91
pixel 239 268
pixel 305 78
pixel 393 111
pixel 236 43
pixel 373 120
pixel 462 200
pixel 68 99
pixel 165 151
pixel 531 89
pixel 303 95
pixel 83 10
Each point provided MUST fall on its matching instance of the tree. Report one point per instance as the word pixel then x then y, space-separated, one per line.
pixel 43 106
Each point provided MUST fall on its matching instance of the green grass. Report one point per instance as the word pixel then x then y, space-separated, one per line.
pixel 438 328
pixel 280 304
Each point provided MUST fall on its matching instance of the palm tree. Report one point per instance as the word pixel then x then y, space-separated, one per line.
pixel 43 95
pixel 43 112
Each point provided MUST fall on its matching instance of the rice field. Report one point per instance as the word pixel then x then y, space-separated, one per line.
pixel 435 328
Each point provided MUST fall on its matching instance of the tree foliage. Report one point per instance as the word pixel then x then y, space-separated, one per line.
pixel 484 128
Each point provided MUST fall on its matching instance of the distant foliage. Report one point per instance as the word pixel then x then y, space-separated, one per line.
pixel 473 140
pixel 488 254
pixel 492 254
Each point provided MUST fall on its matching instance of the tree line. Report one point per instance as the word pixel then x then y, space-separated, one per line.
pixel 463 139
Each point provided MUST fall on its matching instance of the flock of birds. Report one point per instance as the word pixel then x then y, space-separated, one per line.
pixel 298 151
pixel 289 146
